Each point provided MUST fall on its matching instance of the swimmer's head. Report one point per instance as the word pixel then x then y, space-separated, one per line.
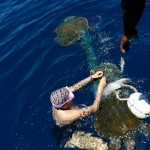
pixel 61 97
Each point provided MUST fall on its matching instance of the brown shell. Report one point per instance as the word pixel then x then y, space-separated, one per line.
pixel 115 119
pixel 71 30
pixel 110 70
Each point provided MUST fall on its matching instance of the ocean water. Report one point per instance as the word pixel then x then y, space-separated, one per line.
pixel 32 64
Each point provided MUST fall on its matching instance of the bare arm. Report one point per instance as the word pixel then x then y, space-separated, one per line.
pixel 85 81
pixel 72 115
pixel 80 84
pixel 99 94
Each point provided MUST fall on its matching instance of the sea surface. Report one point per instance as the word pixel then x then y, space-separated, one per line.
pixel 33 64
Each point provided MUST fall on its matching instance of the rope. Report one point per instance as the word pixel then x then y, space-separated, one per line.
pixel 127 86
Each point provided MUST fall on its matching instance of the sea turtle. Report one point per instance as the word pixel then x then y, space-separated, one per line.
pixel 114 120
pixel 110 70
pixel 71 30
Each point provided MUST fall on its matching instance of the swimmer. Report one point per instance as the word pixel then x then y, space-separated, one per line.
pixel 64 112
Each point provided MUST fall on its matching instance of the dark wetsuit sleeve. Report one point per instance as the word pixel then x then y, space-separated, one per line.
pixel 132 11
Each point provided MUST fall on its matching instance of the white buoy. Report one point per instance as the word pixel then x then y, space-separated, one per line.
pixel 137 103
pixel 139 106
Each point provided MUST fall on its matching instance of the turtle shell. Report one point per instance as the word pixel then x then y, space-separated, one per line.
pixel 115 119
pixel 71 30
pixel 110 70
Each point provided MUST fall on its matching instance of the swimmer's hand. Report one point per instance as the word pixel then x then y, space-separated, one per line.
pixel 97 75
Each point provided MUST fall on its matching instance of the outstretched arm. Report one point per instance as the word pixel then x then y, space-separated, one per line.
pixel 85 81
pixel 72 115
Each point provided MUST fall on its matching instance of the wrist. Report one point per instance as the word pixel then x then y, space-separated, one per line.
pixel 91 77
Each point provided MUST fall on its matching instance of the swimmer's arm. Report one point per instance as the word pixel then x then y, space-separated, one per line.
pixel 85 81
pixel 72 115
pixel 80 84
pixel 99 94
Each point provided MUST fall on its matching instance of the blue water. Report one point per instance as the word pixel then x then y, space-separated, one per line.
pixel 32 64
